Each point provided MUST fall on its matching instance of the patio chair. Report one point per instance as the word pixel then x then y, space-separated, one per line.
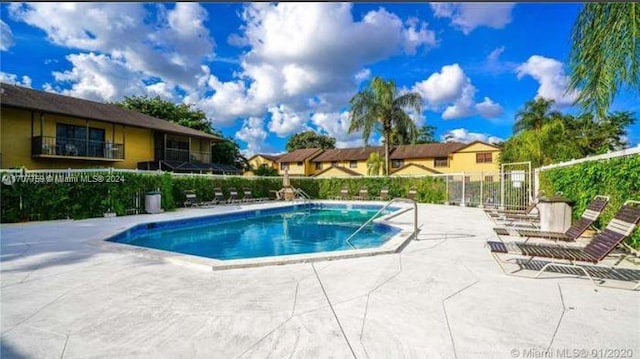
pixel 191 199
pixel 363 194
pixel 248 196
pixel 384 194
pixel 512 215
pixel 344 194
pixel 233 195
pixel 602 244
pixel 218 195
pixel 413 192
pixel 589 216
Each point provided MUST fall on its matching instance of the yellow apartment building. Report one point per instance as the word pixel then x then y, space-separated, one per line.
pixel 341 162
pixel 450 157
pixel 41 130
pixel 298 162
pixel 260 159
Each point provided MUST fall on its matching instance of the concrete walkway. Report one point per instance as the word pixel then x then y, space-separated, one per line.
pixel 441 297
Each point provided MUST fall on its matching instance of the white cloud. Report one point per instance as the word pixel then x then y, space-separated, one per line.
pixel 298 56
pixel 170 48
pixel 489 109
pixel 468 16
pixel 336 124
pixel 444 86
pixel 285 122
pixel 551 76
pixel 495 54
pixel 254 134
pixel 12 79
pixel 452 86
pixel 463 135
pixel 6 36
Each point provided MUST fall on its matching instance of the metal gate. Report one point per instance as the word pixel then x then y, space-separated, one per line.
pixel 510 188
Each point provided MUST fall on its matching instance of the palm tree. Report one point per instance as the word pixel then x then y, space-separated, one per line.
pixel 535 114
pixel 605 53
pixel 375 164
pixel 379 107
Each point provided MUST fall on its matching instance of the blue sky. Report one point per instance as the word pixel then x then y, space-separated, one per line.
pixel 263 72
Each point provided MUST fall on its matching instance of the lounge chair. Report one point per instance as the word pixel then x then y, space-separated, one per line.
pixel 344 194
pixel 363 194
pixel 589 216
pixel 233 195
pixel 191 199
pixel 384 194
pixel 602 244
pixel 218 196
pixel 248 196
pixel 511 216
pixel 413 192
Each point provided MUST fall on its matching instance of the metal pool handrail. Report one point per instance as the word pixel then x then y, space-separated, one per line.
pixel 405 200
pixel 304 194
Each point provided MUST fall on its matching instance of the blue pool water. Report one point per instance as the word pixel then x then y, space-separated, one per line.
pixel 273 232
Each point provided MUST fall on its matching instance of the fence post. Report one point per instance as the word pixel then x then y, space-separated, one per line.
pixel 481 205
pixel 462 203
pixel 502 179
pixel 536 181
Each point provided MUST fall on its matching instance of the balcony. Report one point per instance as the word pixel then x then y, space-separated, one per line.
pixel 61 147
pixel 181 155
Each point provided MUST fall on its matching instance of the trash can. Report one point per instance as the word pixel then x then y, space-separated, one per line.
pixel 555 213
pixel 152 202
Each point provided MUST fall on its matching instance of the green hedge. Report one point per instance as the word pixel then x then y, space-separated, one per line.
pixel 618 178
pixel 79 199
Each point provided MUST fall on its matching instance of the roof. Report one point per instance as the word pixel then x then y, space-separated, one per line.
pixel 348 171
pixel 273 158
pixel 29 99
pixel 300 155
pixel 425 168
pixel 427 150
pixel 348 154
pixel 484 143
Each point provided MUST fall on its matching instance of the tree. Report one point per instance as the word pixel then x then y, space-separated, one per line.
pixel 225 152
pixel 548 144
pixel 379 107
pixel 425 134
pixel 375 164
pixel 535 114
pixel 605 53
pixel 265 170
pixel 599 136
pixel 310 139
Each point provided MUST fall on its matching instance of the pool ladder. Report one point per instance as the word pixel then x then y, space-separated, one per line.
pixel 302 195
pixel 404 200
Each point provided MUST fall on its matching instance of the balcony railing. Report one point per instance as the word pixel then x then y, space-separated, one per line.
pixel 175 154
pixel 74 147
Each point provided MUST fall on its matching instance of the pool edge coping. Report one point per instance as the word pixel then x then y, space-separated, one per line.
pixel 393 245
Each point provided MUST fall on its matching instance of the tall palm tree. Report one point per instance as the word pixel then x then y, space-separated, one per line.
pixel 536 113
pixel 605 53
pixel 379 107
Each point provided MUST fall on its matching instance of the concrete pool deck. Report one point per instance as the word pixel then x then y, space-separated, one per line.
pixel 440 297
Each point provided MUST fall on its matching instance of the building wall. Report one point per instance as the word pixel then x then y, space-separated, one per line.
pixel 333 172
pixel 465 159
pixel 361 166
pixel 258 161
pixel 306 168
pixel 16 141
pixel 412 171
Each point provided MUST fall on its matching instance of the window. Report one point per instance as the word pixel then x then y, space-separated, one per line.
pixel 334 164
pixel 488 178
pixel 353 164
pixel 318 165
pixel 483 157
pixel 397 163
pixel 299 164
pixel 284 166
pixel 73 140
pixel 441 162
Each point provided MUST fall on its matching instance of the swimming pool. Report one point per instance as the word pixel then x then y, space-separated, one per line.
pixel 299 229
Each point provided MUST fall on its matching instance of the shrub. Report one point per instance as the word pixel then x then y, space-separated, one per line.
pixel 618 178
